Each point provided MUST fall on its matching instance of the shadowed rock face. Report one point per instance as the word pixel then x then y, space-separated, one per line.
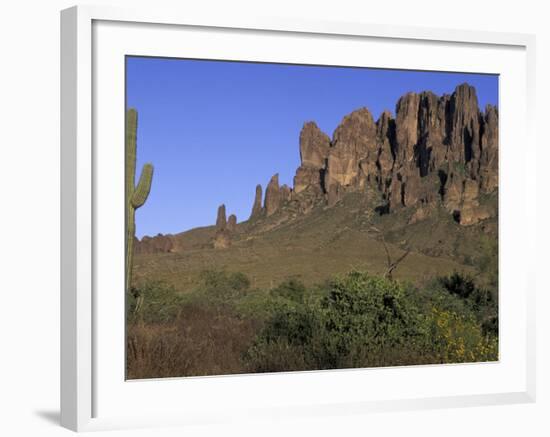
pixel 406 129
pixel 464 141
pixel 385 139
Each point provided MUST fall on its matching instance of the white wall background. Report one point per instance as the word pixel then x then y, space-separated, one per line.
pixel 29 215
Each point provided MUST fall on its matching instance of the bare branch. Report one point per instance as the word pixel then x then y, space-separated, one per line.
pixel 388 256
pixel 402 257
pixel 392 265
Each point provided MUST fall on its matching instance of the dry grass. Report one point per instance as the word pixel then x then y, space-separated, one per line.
pixel 201 341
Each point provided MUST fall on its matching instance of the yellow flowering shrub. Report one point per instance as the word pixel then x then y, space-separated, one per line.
pixel 459 338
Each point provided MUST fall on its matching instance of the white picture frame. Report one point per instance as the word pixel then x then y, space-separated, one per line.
pixel 91 393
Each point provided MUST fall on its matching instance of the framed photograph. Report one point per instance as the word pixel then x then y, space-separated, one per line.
pixel 265 218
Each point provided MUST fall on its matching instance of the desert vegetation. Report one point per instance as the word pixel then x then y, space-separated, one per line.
pixel 225 326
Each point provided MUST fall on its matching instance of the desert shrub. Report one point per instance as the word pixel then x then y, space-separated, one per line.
pixel 461 285
pixel 367 321
pixel 220 288
pixel 354 320
pixel 152 301
pixel 458 338
pixel 286 341
pixel 366 314
pixel 362 321
pixel 277 355
pixel 296 324
pixel 213 280
pixel 433 293
pixel 488 261
pixel 482 302
pixel 291 289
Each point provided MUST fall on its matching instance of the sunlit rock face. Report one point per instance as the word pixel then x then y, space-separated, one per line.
pixel 436 149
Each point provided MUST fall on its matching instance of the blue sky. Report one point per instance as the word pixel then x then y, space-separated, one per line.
pixel 214 129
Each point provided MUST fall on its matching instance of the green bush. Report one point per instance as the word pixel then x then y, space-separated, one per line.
pixel 434 294
pixel 461 285
pixel 488 261
pixel 153 301
pixel 367 321
pixel 222 280
pixel 218 287
pixel 362 321
pixel 481 302
pixel 366 316
pixel 291 289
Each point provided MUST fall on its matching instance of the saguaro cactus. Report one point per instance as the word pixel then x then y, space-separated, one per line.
pixel 136 195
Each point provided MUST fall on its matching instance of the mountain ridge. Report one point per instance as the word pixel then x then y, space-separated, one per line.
pixel 437 152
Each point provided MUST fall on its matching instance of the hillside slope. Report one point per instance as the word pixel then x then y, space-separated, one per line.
pixel 324 242
pixel 424 182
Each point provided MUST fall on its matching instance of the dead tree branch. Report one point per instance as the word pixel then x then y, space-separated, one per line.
pixel 391 265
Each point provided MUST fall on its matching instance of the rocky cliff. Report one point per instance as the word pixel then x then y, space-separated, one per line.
pixel 157 244
pixel 436 150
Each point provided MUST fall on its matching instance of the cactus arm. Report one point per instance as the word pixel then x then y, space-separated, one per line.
pixel 143 187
